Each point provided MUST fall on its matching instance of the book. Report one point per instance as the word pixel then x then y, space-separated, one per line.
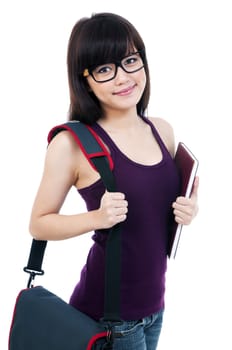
pixel 187 165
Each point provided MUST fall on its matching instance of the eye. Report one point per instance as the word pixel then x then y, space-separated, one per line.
pixel 130 60
pixel 103 69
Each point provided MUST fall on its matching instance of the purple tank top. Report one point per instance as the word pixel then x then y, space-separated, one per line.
pixel 150 191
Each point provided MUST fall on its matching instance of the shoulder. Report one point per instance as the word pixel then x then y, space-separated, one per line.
pixel 63 152
pixel 166 132
pixel 63 143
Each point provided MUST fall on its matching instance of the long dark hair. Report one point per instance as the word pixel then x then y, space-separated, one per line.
pixel 97 40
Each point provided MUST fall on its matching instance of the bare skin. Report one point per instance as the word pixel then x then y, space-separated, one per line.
pixel 66 166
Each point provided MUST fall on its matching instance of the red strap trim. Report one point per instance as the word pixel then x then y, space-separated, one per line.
pixel 87 155
pixel 97 154
pixel 106 152
pixel 95 338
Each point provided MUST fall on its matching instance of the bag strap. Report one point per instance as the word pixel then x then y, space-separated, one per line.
pixel 100 160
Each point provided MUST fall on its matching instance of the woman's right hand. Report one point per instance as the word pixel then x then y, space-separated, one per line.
pixel 113 209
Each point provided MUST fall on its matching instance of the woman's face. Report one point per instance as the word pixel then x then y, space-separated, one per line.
pixel 124 91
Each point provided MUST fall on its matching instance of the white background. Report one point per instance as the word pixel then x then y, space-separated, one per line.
pixel 189 50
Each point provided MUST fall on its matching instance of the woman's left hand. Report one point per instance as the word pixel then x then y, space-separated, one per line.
pixel 185 209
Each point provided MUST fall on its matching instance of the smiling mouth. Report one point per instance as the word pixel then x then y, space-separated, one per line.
pixel 125 91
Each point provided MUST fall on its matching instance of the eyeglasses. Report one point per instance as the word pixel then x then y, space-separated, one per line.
pixel 108 71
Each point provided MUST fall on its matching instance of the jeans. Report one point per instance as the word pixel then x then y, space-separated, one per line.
pixel 139 335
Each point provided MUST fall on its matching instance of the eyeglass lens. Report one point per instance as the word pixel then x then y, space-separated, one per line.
pixel 108 71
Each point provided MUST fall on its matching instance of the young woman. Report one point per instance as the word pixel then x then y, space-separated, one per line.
pixel 109 90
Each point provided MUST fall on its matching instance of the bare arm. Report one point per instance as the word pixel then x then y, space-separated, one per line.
pixel 60 173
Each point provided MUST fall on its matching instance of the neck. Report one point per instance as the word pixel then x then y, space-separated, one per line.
pixel 120 121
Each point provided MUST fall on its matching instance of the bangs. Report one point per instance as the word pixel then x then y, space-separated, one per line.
pixel 106 40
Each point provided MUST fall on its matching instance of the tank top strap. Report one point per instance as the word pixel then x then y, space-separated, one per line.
pixel 157 136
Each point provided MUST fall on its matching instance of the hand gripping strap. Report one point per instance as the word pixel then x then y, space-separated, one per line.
pixel 92 147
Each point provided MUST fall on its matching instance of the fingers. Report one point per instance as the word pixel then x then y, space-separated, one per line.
pixel 185 209
pixel 183 212
pixel 114 208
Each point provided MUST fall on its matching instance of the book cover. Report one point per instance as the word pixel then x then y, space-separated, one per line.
pixel 187 165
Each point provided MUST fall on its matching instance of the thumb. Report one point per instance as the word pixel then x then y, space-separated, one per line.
pixel 195 186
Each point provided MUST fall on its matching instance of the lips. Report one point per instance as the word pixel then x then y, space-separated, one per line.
pixel 125 91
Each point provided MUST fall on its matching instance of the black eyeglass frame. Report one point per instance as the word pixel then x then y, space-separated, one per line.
pixel 118 63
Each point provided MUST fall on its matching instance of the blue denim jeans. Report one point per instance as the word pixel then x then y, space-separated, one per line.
pixel 139 335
